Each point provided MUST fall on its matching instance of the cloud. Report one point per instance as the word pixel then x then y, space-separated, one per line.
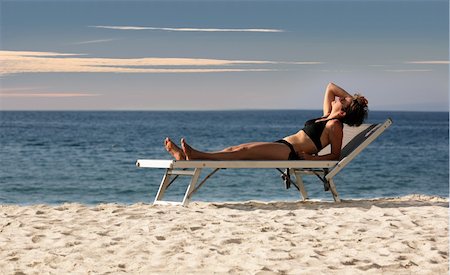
pixel 37 92
pixel 332 71
pixel 47 95
pixel 138 28
pixel 6 54
pixel 93 41
pixel 430 62
pixel 302 63
pixel 408 71
pixel 14 62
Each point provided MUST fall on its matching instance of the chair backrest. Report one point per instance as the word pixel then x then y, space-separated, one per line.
pixel 358 139
pixel 355 140
pixel 349 134
pixel 353 137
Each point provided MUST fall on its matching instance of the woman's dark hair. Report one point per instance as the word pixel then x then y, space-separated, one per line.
pixel 357 112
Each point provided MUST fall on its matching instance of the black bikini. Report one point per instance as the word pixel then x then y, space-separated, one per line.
pixel 292 155
pixel 314 131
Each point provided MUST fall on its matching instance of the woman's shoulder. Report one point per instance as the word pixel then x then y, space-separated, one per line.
pixel 335 125
pixel 314 120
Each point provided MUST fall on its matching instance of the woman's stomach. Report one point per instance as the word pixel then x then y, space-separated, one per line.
pixel 302 142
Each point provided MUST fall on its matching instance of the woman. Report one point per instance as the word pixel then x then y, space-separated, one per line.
pixel 338 107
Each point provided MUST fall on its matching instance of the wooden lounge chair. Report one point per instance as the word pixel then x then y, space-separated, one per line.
pixel 354 141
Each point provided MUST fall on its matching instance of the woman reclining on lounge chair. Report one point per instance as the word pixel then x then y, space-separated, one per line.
pixel 338 107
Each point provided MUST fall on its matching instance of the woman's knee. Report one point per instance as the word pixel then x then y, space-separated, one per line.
pixel 236 148
pixel 243 152
pixel 229 149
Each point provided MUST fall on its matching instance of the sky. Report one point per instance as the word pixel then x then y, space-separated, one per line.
pixel 220 55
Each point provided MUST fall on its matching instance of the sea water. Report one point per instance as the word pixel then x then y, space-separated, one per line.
pixel 89 157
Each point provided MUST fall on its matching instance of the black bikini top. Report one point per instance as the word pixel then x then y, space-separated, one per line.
pixel 314 131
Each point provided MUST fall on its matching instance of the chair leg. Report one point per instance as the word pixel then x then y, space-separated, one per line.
pixel 301 186
pixel 162 187
pixel 191 187
pixel 333 190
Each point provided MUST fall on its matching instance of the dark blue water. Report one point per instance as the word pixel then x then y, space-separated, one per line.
pixel 89 157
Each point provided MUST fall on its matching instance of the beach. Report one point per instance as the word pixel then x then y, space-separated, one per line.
pixel 404 235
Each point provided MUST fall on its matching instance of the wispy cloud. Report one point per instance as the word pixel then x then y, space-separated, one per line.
pixel 39 62
pixel 332 71
pixel 2 94
pixel 6 54
pixel 429 62
pixel 408 71
pixel 138 28
pixel 38 92
pixel 93 41
pixel 301 63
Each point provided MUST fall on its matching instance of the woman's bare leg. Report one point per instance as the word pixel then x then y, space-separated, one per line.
pixel 174 150
pixel 234 148
pixel 248 151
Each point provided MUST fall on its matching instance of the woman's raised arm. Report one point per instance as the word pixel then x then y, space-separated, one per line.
pixel 331 93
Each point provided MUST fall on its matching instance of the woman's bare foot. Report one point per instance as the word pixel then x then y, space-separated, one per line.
pixel 174 150
pixel 188 151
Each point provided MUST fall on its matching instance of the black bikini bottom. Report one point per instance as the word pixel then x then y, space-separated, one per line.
pixel 292 155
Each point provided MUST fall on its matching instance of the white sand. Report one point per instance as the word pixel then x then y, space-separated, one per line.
pixel 407 235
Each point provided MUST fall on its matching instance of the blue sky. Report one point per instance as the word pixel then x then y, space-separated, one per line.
pixel 215 55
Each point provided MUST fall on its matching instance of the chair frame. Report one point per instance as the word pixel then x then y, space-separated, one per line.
pixel 325 170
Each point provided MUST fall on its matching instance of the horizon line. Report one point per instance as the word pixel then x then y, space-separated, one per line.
pixel 203 110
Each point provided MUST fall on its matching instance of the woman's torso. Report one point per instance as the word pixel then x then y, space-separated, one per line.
pixel 312 138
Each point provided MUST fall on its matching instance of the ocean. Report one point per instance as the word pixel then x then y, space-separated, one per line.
pixel 89 157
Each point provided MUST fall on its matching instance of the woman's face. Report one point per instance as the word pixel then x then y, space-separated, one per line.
pixel 342 103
